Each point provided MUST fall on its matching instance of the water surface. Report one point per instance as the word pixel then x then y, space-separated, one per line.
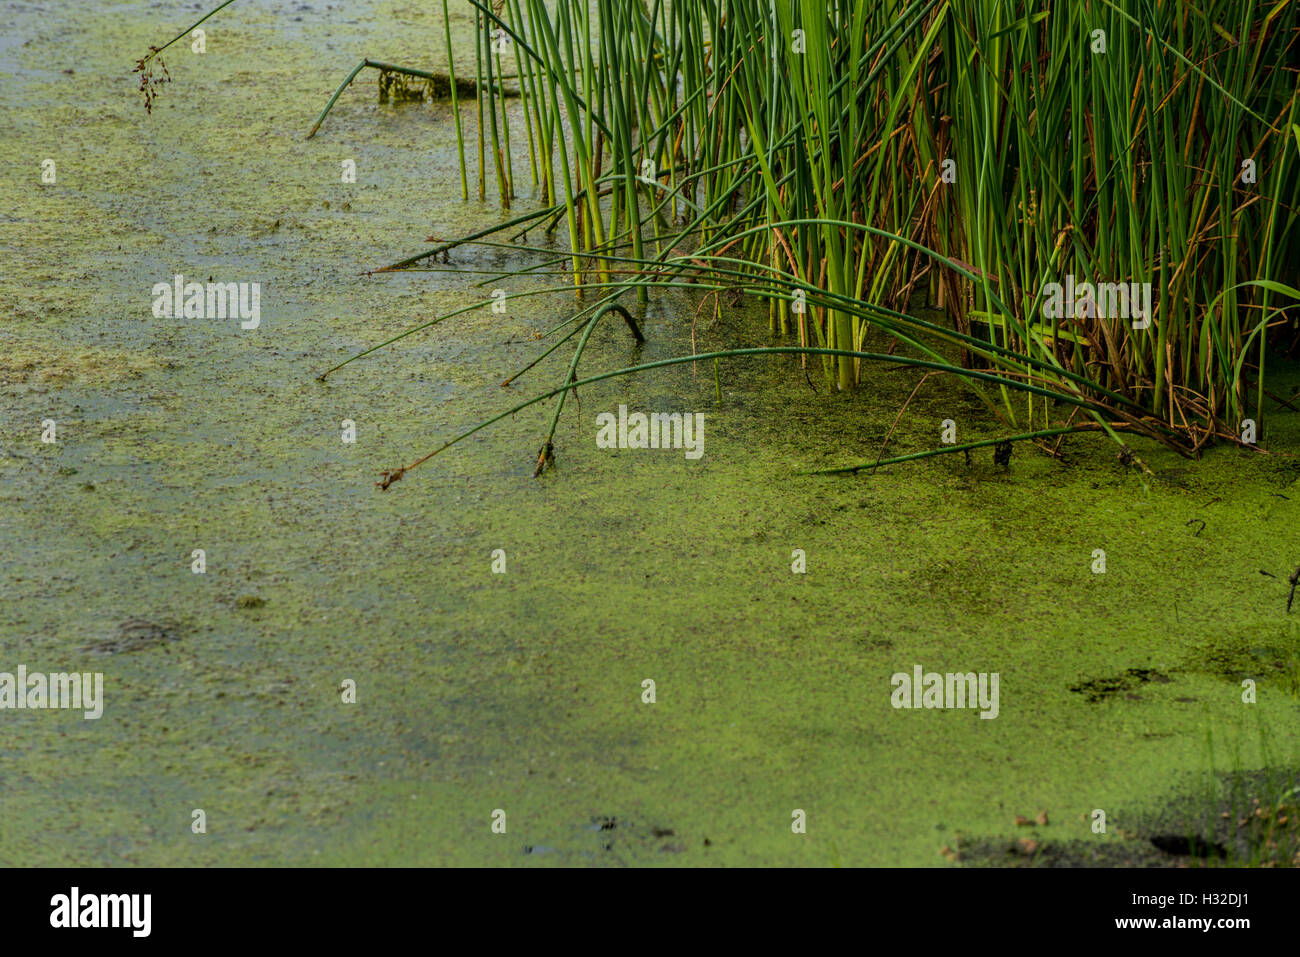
pixel 523 691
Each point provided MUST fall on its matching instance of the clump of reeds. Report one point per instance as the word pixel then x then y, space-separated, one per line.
pixel 849 162
pixel 852 160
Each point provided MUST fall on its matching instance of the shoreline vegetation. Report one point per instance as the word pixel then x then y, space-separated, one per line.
pixel 853 164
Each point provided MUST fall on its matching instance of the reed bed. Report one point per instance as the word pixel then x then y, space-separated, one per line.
pixel 853 163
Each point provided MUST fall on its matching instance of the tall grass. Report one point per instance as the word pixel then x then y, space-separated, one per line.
pixel 852 162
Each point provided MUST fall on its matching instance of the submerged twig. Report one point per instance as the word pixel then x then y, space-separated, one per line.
pixel 548 450
pixel 432 81
pixel 544 458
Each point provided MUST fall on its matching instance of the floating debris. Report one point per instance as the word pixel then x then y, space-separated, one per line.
pixel 136 634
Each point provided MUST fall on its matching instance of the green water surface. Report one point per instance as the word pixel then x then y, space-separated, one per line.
pixel 523 691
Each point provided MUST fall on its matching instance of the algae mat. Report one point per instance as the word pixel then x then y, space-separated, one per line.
pixel 521 690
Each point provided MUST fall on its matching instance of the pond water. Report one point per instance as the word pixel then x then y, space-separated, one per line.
pixel 522 691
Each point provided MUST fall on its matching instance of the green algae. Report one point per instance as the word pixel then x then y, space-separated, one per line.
pixel 522 691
